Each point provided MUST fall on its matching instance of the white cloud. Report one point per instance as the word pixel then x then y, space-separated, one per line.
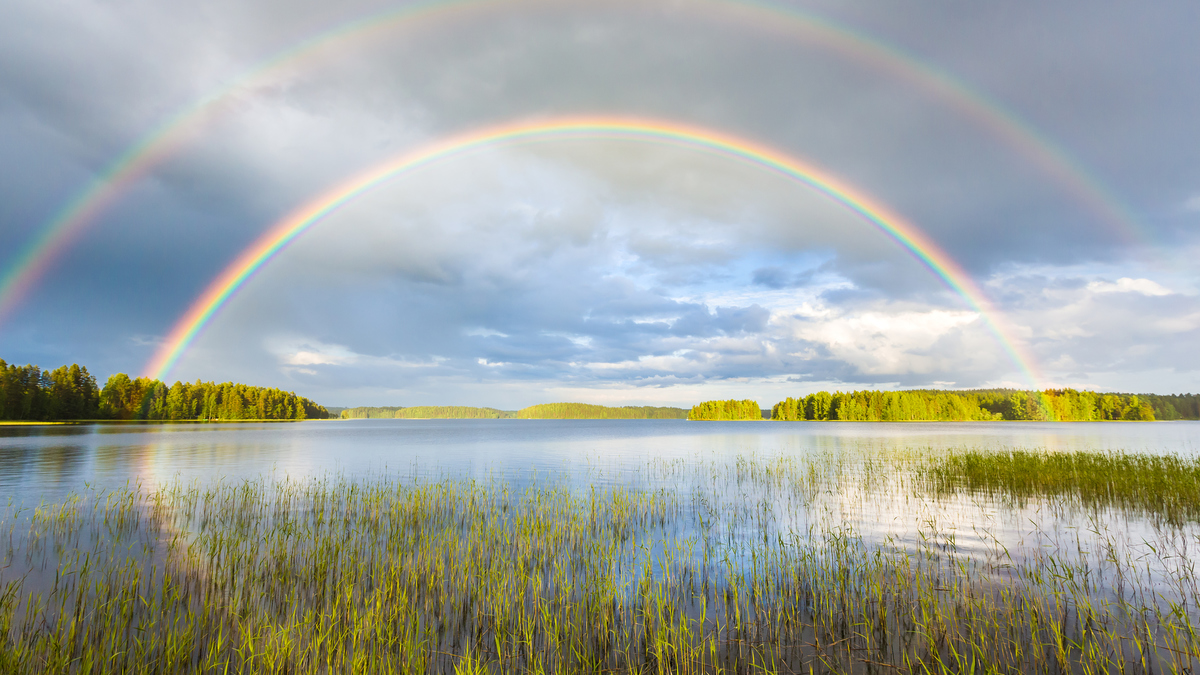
pixel 1128 285
pixel 1192 204
pixel 309 352
pixel 881 342
pixel 312 353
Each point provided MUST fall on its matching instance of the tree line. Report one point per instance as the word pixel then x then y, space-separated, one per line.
pixel 1174 406
pixel 588 411
pixel 426 412
pixel 1064 405
pixel 32 394
pixel 731 409
pixel 885 406
pixel 144 398
pixel 70 393
pixel 544 411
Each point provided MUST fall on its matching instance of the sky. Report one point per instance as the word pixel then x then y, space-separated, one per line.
pixel 1047 150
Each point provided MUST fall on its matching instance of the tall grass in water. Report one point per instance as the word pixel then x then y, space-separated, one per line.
pixel 1166 487
pixel 382 575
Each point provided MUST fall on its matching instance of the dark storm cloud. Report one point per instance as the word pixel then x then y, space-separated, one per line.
pixel 604 263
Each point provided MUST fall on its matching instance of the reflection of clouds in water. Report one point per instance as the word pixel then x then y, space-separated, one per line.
pixel 810 487
pixel 877 499
pixel 39 467
pixel 1003 532
pixel 111 455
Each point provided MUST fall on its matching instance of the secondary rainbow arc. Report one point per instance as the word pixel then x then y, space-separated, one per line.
pixel 286 230
pixel 33 259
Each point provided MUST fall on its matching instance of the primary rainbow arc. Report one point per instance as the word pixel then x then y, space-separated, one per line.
pixel 285 231
pixel 32 260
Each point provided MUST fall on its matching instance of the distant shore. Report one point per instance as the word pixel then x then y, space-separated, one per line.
pixel 559 411
pixel 36 423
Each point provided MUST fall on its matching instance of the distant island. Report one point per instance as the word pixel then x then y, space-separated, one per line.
pixel 933 405
pixel 586 411
pixel 425 412
pixel 545 411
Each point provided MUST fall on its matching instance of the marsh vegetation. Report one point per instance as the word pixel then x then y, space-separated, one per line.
pixel 861 562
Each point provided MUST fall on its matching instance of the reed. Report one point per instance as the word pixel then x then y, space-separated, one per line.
pixel 1160 485
pixel 744 566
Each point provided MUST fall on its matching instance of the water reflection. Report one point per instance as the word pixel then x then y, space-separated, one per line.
pixel 830 523
pixel 46 463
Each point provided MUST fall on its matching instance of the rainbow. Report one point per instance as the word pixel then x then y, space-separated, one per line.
pixel 986 112
pixel 285 231
pixel 34 259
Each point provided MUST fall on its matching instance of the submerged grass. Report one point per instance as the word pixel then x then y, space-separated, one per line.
pixel 721 568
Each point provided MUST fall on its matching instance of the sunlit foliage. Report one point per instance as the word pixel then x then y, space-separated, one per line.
pixel 70 393
pixel 587 411
pixel 1062 405
pixel 30 393
pixel 124 398
pixel 1163 486
pixel 731 409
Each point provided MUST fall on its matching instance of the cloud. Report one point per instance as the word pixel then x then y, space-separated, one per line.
pixel 1097 326
pixel 775 277
pixel 892 343
pixel 1127 285
pixel 566 330
pixel 312 353
pixel 575 265
pixel 771 277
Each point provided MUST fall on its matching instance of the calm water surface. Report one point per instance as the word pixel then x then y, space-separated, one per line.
pixel 45 463
pixel 727 494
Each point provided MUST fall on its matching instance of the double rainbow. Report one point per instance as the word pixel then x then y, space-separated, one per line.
pixel 33 259
pixel 285 231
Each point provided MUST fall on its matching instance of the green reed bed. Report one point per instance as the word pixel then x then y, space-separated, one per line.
pixel 1167 487
pixel 710 576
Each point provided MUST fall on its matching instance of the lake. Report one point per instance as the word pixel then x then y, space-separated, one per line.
pixel 44 463
pixel 608 545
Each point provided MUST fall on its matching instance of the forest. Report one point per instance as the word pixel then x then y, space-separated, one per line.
pixel 730 409
pixel 29 393
pixel 587 411
pixel 1063 405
